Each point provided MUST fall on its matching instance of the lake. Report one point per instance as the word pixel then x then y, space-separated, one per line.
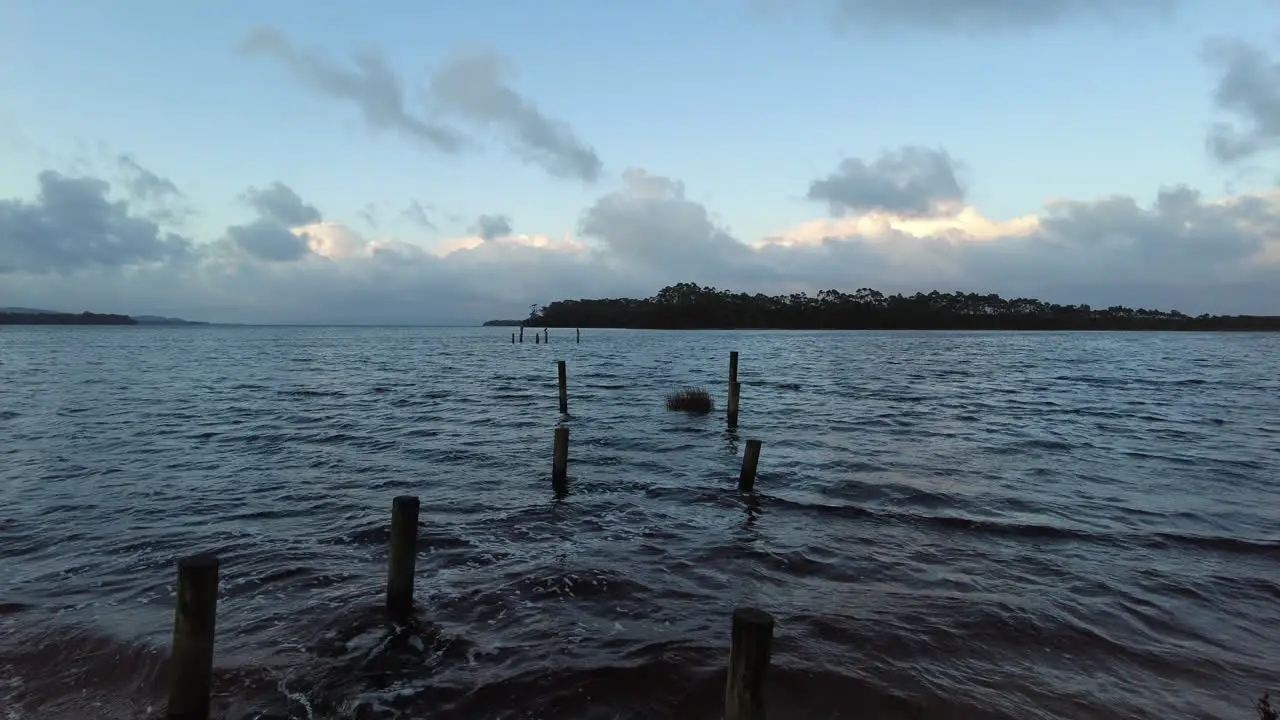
pixel 945 525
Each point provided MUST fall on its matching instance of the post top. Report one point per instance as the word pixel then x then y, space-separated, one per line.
pixel 402 499
pixel 752 616
pixel 199 560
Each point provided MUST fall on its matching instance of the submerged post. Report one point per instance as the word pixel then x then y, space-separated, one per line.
pixel 546 335
pixel 564 386
pixel 513 338
pixel 578 333
pixel 750 459
pixel 560 461
pixel 194 616
pixel 749 651
pixel 521 333
pixel 734 389
pixel 537 339
pixel 402 556
pixel 733 367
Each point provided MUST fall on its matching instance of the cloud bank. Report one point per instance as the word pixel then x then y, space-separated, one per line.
pixel 73 247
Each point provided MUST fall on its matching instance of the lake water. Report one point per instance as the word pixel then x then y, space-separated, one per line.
pixel 945 525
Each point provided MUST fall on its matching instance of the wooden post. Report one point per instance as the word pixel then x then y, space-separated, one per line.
pixel 750 459
pixel 578 333
pixel 734 389
pixel 513 338
pixel 733 367
pixel 194 616
pixel 537 339
pixel 748 664
pixel 564 387
pixel 521 333
pixel 546 335
pixel 560 461
pixel 402 556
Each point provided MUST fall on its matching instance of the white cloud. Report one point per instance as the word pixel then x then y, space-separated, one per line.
pixel 965 225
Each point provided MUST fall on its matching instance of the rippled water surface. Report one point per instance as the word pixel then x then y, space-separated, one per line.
pixel 946 525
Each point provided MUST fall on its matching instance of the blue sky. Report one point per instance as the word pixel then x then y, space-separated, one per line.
pixel 745 102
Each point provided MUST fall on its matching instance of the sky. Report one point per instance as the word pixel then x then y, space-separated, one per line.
pixel 436 163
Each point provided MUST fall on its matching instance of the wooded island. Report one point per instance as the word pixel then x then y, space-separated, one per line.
pixel 688 306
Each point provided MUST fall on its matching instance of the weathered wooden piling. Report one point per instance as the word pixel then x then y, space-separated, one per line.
pixel 521 333
pixel 564 386
pixel 734 389
pixel 546 335
pixel 402 556
pixel 194 617
pixel 513 338
pixel 537 339
pixel 750 459
pixel 578 334
pixel 733 367
pixel 560 461
pixel 749 650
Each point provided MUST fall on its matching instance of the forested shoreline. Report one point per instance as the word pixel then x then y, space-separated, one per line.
pixel 57 318
pixel 687 306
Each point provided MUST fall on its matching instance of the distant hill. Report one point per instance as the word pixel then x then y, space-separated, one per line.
pixel 157 320
pixel 46 317
pixel 27 311
pixel 36 316
pixel 504 323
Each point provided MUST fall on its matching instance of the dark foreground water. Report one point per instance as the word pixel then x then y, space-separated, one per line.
pixel 946 525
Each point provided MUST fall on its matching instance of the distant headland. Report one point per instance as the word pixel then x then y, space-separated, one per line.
pixel 32 316
pixel 687 306
pixel 504 323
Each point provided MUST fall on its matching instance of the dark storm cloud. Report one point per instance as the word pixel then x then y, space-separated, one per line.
pixel 280 204
pixel 913 181
pixel 475 87
pixel 72 224
pixel 1248 89
pixel 373 87
pixel 492 226
pixel 991 14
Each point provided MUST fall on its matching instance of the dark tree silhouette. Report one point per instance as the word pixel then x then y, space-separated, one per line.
pixel 84 318
pixel 689 306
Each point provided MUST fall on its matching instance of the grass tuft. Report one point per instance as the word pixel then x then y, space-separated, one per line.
pixel 1265 711
pixel 691 400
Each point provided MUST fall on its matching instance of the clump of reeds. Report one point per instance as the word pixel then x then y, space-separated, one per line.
pixel 691 400
pixel 1265 710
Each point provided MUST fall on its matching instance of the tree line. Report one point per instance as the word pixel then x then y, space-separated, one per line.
pixel 688 306
pixel 52 318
